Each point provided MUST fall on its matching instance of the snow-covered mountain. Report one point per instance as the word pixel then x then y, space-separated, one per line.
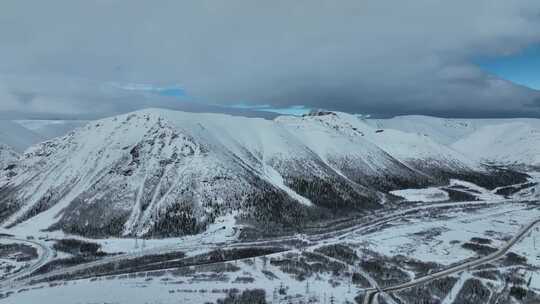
pixel 161 173
pixel 51 128
pixel 21 134
pixel 413 149
pixel 443 130
pixel 498 141
pixel 511 143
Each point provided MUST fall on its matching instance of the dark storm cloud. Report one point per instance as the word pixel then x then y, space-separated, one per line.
pixel 377 56
pixel 535 103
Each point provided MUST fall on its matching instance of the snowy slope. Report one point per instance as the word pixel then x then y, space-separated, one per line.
pixel 444 130
pixel 415 150
pixel 511 143
pixel 162 173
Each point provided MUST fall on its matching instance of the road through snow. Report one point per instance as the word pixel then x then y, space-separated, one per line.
pixel 314 239
pixel 371 293
pixel 46 254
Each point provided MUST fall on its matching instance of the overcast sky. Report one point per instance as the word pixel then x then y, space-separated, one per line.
pixel 94 58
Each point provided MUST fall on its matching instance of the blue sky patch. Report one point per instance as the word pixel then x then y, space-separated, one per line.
pixel 172 91
pixel 522 68
pixel 292 110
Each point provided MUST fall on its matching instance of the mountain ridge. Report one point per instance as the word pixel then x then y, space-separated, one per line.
pixel 159 172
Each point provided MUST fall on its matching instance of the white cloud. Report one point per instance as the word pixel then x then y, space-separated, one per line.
pixel 358 56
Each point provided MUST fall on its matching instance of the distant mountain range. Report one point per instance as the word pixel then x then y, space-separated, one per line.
pixel 165 173
pixel 21 134
pixel 512 141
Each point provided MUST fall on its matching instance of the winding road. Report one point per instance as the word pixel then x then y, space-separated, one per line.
pixel 46 254
pixel 371 293
pixel 24 277
pixel 316 238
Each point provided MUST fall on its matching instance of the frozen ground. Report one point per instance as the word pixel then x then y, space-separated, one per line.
pixel 435 239
pixel 14 257
pixel 529 248
pixel 206 285
pixel 440 194
pixel 223 230
pixel 425 195
pixel 408 243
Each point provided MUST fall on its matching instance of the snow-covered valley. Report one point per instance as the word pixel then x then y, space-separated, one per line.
pixel 162 206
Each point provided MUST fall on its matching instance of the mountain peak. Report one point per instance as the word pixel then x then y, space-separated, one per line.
pixel 165 172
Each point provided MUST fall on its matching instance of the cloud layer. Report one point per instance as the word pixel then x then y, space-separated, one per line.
pixel 369 56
